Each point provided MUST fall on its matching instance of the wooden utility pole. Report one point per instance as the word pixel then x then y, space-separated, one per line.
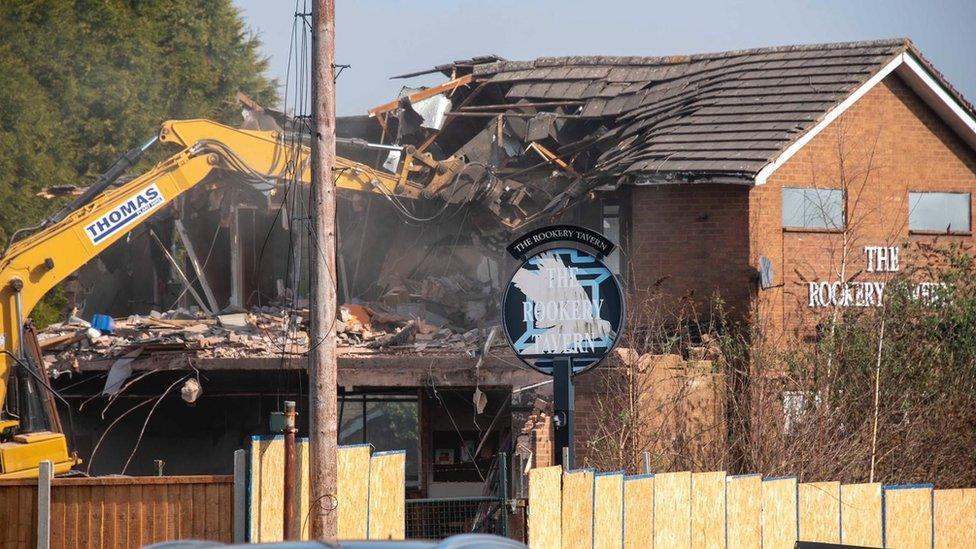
pixel 322 352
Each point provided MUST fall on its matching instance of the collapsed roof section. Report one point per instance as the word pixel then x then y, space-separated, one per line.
pixel 557 127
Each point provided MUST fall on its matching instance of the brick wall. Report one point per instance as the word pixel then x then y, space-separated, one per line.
pixel 885 145
pixel 690 242
pixel 694 241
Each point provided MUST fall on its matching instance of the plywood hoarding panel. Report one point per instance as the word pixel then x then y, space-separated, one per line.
pixel 577 509
pixel 638 512
pixel 387 495
pixel 708 510
pixel 352 492
pixel 743 500
pixel 545 502
pixel 955 518
pixel 860 514
pixel 779 513
pixel 266 493
pixel 608 511
pixel 672 510
pixel 820 512
pixel 908 517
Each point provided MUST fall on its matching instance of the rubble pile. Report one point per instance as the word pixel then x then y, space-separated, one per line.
pixel 258 333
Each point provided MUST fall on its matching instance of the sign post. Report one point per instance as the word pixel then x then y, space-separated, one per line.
pixel 562 313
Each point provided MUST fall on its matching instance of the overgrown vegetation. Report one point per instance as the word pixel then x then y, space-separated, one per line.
pixel 887 395
pixel 84 81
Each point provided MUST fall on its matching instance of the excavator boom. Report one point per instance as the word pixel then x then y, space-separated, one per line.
pixel 33 265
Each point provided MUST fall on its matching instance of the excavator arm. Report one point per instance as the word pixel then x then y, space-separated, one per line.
pixel 33 265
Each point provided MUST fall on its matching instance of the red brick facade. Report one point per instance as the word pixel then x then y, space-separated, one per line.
pixel 691 242
pixel 697 241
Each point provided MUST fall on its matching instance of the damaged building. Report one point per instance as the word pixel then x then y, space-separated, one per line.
pixel 692 163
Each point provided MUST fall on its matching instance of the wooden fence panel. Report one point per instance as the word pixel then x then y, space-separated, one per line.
pixel 577 509
pixel 908 517
pixel 860 514
pixel 955 518
pixel 387 495
pixel 118 512
pixel 708 510
pixel 779 513
pixel 638 511
pixel 743 499
pixel 352 492
pixel 545 500
pixel 820 512
pixel 18 515
pixel 608 511
pixel 672 510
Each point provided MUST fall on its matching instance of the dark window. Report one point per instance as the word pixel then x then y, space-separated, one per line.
pixel 388 422
pixel 812 208
pixel 939 212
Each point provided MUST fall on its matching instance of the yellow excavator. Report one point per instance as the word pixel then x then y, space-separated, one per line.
pixel 41 257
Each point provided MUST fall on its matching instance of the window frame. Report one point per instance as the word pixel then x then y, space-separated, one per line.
pixel 930 232
pixel 366 397
pixel 809 229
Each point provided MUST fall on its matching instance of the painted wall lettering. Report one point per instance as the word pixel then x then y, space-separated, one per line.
pixel 878 259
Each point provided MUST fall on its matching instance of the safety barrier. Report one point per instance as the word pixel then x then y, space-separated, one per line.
pixel 583 508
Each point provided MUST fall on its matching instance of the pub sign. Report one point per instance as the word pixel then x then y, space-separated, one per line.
pixel 562 301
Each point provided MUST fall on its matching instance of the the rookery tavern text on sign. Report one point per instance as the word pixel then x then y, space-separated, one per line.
pixel 562 301
pixel 879 259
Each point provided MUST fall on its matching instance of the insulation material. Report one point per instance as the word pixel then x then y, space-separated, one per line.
pixel 955 518
pixel 387 495
pixel 708 509
pixel 779 520
pixel 577 509
pixel 820 512
pixel 544 507
pixel 908 517
pixel 744 511
pixel 860 514
pixel 672 510
pixel 352 492
pixel 608 511
pixel 266 501
pixel 638 511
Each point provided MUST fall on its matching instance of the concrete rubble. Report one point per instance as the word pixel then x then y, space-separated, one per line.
pixel 261 332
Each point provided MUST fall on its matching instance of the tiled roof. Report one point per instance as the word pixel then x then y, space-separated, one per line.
pixel 726 113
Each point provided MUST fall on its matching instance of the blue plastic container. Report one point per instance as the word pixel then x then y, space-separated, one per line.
pixel 103 323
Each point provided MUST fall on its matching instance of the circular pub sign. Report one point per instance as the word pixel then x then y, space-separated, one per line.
pixel 563 302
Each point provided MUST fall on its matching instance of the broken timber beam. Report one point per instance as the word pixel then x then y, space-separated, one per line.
pixel 422 94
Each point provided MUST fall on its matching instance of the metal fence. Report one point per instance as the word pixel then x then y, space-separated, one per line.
pixel 438 518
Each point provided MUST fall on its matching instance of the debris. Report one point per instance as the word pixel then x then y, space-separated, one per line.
pixel 401 337
pixel 120 371
pixel 103 323
pixel 191 391
pixel 480 400
pixel 266 331
pixel 235 321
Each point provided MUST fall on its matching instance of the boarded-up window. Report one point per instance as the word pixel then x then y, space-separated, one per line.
pixel 938 212
pixel 812 208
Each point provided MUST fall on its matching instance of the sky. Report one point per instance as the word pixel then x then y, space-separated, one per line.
pixel 383 38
